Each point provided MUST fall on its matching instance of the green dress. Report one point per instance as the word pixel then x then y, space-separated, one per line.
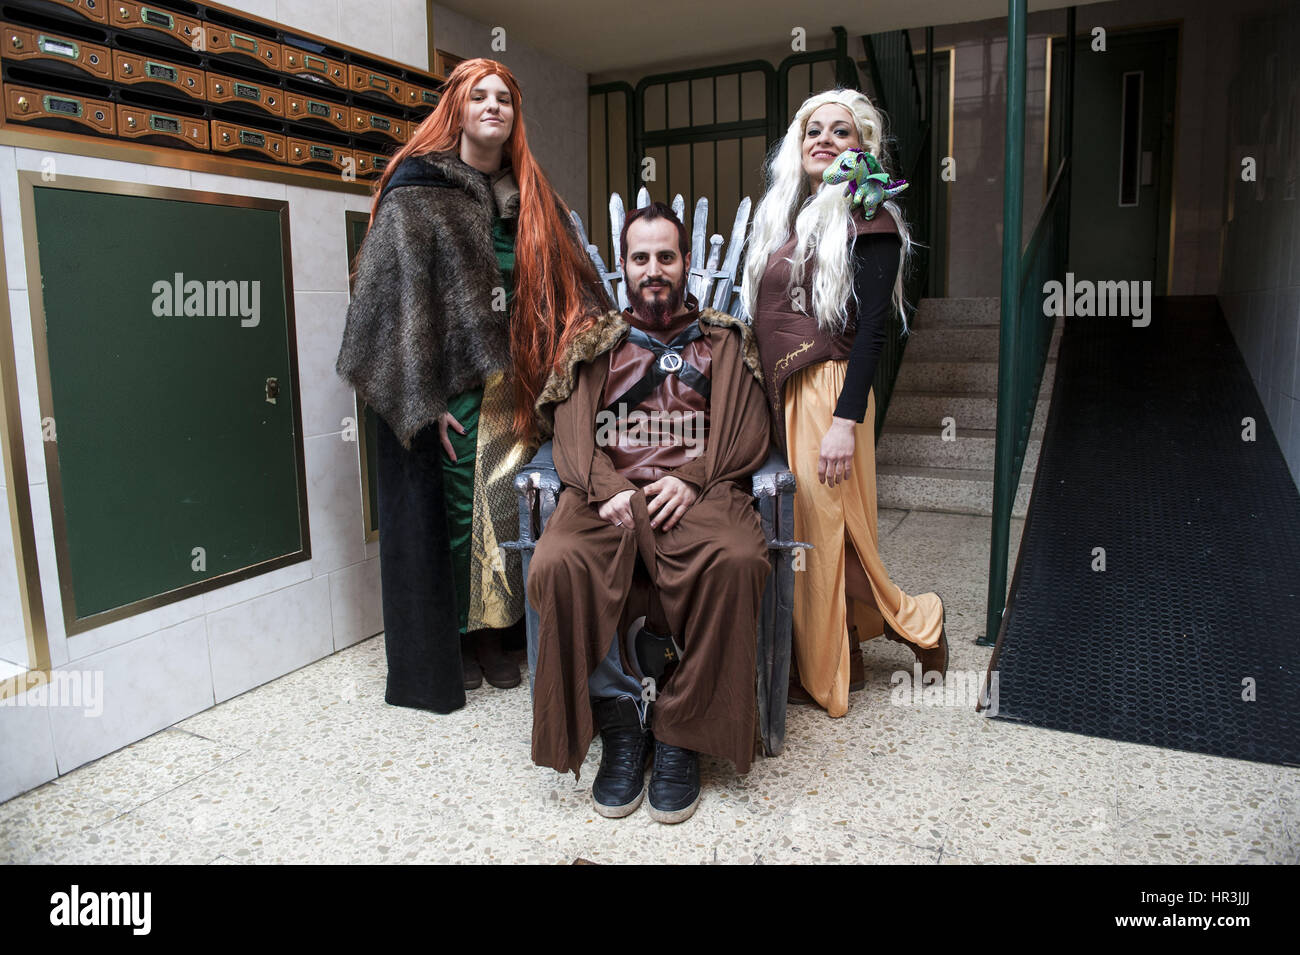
pixel 486 596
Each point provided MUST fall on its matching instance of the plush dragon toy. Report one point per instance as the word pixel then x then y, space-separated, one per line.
pixel 868 184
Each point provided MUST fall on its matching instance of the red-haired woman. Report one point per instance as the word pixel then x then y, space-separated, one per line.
pixel 469 276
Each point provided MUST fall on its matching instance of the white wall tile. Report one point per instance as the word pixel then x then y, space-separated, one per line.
pixel 15 264
pixel 253 642
pixel 369 26
pixel 411 33
pixel 29 402
pixel 89 167
pixel 318 234
pixel 326 398
pixel 229 185
pixel 313 16
pixel 148 684
pixel 119 632
pixel 43 531
pixel 26 748
pixel 334 500
pixel 258 586
pixel 355 603
pixel 258 8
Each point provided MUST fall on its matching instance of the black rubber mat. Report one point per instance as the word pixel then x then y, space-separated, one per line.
pixel 1199 603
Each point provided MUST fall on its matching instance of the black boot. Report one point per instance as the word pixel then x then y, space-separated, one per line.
pixel 620 781
pixel 498 669
pixel 469 662
pixel 675 783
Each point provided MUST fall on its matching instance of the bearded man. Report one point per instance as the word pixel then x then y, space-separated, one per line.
pixel 659 420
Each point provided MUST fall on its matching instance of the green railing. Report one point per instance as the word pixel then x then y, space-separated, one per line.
pixel 909 145
pixel 1025 335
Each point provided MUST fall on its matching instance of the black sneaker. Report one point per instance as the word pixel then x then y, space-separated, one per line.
pixel 674 784
pixel 620 781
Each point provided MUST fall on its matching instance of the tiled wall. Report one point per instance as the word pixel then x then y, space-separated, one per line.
pixel 1260 283
pixel 165 664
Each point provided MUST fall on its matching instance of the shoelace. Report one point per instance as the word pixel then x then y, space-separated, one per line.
pixel 673 764
pixel 625 760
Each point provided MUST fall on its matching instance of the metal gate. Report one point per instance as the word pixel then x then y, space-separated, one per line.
pixel 700 132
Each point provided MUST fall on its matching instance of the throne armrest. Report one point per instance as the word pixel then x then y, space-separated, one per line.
pixel 538 487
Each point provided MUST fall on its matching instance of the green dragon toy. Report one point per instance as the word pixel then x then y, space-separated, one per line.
pixel 868 184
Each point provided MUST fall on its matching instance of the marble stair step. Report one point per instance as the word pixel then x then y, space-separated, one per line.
pixel 970 448
pixel 972 410
pixel 957 311
pixel 953 490
pixel 954 376
pixel 960 343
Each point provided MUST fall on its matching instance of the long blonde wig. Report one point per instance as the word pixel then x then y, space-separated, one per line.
pixel 820 220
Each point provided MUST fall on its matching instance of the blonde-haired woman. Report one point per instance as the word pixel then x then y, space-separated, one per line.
pixel 821 280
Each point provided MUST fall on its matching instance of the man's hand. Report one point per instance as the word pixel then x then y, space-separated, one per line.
pixel 671 497
pixel 618 509
pixel 834 464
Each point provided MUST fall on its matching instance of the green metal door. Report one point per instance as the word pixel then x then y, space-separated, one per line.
pixel 172 420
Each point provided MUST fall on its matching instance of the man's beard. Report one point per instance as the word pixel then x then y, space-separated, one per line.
pixel 658 312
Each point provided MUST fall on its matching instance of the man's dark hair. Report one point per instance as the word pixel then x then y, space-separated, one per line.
pixel 656 210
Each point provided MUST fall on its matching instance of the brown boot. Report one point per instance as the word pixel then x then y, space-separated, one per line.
pixel 498 669
pixel 469 667
pixel 934 658
pixel 857 671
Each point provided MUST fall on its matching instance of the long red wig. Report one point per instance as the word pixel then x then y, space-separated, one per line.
pixel 549 269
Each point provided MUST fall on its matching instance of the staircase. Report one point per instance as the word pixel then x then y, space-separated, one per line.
pixel 950 370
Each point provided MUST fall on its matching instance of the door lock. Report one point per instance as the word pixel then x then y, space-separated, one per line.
pixel 272 389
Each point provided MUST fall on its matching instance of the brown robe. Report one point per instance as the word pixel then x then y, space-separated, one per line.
pixel 710 569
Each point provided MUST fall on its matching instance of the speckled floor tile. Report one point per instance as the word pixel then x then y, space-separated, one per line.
pixel 1153 781
pixel 147 769
pixel 807 840
pixel 128 839
pixel 1234 836
pixel 882 796
pixel 1006 824
pixel 1047 763
pixel 48 816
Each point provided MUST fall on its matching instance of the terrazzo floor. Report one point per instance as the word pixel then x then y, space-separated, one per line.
pixel 316 768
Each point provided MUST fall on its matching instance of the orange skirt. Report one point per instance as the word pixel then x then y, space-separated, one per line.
pixel 823 516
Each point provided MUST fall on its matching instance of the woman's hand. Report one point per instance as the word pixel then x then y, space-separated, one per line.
pixel 449 421
pixel 834 464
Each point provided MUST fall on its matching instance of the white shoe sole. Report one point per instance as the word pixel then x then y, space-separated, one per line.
pixel 618 812
pixel 670 817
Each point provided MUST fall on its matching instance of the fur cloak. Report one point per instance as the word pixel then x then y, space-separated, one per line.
pixel 420 329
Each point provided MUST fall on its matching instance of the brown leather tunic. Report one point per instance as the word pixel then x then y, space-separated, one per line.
pixel 789 340
pixel 647 446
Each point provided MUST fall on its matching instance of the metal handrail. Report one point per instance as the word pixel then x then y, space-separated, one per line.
pixel 1024 336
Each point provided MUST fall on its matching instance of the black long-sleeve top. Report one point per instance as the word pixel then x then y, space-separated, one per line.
pixel 875 267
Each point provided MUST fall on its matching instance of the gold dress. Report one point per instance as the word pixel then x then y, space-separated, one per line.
pixel 825 517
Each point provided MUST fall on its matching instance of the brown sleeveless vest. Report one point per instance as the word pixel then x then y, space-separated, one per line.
pixel 788 339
